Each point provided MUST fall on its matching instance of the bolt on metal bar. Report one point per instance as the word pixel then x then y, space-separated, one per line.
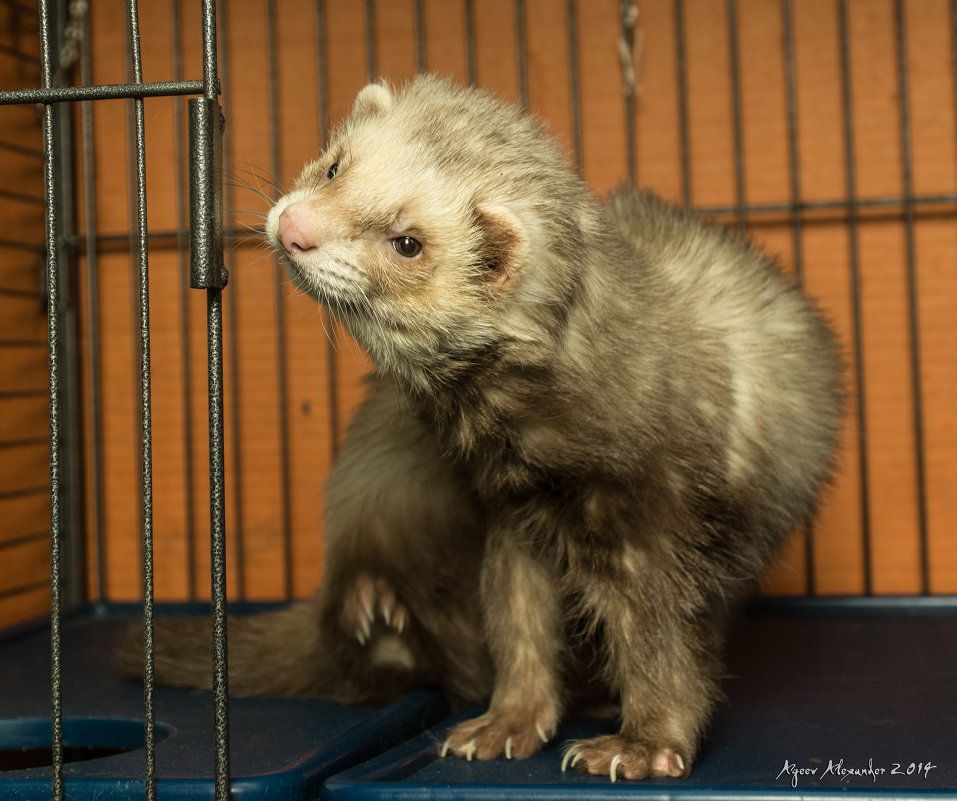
pixel 282 373
pixel 847 103
pixel 53 337
pixel 913 317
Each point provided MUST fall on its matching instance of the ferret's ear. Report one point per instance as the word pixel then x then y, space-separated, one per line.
pixel 502 244
pixel 373 99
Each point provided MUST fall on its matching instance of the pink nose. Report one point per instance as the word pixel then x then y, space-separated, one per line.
pixel 295 233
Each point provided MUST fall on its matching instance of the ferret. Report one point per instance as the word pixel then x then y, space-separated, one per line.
pixel 589 427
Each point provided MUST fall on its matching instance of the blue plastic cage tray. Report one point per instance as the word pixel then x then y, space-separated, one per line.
pixel 826 701
pixel 279 748
pixel 847 700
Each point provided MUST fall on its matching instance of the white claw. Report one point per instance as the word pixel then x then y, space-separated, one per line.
pixel 363 634
pixel 367 608
pixel 614 767
pixel 445 750
pixel 541 733
pixel 571 754
pixel 508 747
pixel 469 750
pixel 681 762
pixel 387 607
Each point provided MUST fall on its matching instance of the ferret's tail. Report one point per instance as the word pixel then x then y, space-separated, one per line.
pixel 276 653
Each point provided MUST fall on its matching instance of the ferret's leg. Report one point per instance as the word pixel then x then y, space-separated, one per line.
pixel 521 605
pixel 663 662
pixel 404 539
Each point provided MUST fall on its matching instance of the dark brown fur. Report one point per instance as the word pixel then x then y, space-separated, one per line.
pixel 590 426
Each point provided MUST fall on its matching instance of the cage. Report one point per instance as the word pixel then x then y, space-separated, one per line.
pixel 824 128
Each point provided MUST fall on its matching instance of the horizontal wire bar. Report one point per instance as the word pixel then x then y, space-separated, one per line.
pixel 23 539
pixel 116 91
pixel 22 8
pixel 14 147
pixel 22 343
pixel 22 294
pixel 23 588
pixel 13 394
pixel 12 244
pixel 26 442
pixel 25 492
pixel 21 197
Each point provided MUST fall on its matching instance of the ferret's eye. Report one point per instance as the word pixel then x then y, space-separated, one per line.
pixel 333 170
pixel 407 246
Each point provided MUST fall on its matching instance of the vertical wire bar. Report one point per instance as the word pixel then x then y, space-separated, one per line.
pixel 95 375
pixel 737 123
pixel 53 344
pixel 322 81
pixel 217 478
pixel 797 222
pixel 521 50
pixel 149 713
pixel 628 13
pixel 571 14
pixel 419 10
pixel 907 179
pixel 372 67
pixel 850 170
pixel 275 150
pixel 232 321
pixel 468 11
pixel 683 124
pixel 182 246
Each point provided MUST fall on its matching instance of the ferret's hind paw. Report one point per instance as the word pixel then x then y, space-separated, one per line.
pixel 369 600
pixel 617 757
pixel 497 735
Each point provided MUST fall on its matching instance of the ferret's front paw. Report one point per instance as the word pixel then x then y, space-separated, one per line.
pixel 368 600
pixel 618 757
pixel 512 735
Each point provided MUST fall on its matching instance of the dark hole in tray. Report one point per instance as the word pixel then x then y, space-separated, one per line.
pixel 26 743
pixel 24 758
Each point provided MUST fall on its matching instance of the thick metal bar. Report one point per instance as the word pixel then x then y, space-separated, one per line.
pixel 72 94
pixel 574 78
pixel 734 56
pixel 282 374
pixel 913 316
pixel 146 435
pixel 206 125
pixel 521 49
pixel 682 79
pixel 53 336
pixel 797 238
pixel 847 101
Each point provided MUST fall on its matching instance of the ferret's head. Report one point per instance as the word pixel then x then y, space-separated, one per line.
pixel 439 224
